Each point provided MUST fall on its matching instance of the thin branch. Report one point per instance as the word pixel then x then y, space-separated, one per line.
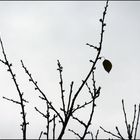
pixel 54 125
pixel 17 102
pixel 2 61
pixel 48 121
pixel 40 135
pixel 45 116
pixel 82 106
pixel 133 120
pixel 53 118
pixel 69 101
pixel 137 123
pixel 93 82
pixel 126 123
pixel 119 133
pixel 74 133
pixel 43 99
pixel 92 138
pixel 89 90
pixel 60 69
pixel 124 114
pixel 96 136
pixel 92 46
pixel 110 133
pixel 96 91
pixel 81 122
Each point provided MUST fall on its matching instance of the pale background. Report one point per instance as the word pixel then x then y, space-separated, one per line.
pixel 39 33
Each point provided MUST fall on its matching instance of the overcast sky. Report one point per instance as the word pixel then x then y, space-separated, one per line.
pixel 39 33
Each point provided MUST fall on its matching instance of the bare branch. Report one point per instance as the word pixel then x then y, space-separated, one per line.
pixel 89 88
pixel 25 101
pixel 124 113
pixel 96 136
pixel 40 135
pixel 48 121
pixel 45 116
pixel 137 123
pixel 82 106
pixel 126 123
pixel 2 61
pixel 92 138
pixel 60 69
pixel 54 125
pixel 133 120
pixel 92 46
pixel 93 82
pixel 53 118
pixel 74 133
pixel 81 122
pixel 69 101
pixel 17 102
pixel 110 133
pixel 119 133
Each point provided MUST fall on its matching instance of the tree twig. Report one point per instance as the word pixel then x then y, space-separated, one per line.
pixel 17 102
pixel 40 112
pixel 110 133
pixel 54 126
pixel 81 122
pixel 119 133
pixel 133 120
pixel 126 123
pixel 92 137
pixel 74 133
pixel 48 121
pixel 137 123
pixel 60 69
pixel 96 136
pixel 40 135
pixel 69 99
pixel 81 106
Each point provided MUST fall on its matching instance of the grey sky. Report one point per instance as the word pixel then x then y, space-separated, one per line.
pixel 39 33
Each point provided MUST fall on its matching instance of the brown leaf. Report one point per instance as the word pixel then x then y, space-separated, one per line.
pixel 107 65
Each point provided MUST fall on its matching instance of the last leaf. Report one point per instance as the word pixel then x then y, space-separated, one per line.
pixel 107 65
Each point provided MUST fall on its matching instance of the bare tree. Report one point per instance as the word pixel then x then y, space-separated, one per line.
pixel 67 111
pixel 69 107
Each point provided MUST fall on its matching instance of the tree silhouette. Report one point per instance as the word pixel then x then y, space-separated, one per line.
pixel 68 107
pixel 67 112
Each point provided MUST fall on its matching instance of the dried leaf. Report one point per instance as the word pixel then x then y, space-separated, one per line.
pixel 107 65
